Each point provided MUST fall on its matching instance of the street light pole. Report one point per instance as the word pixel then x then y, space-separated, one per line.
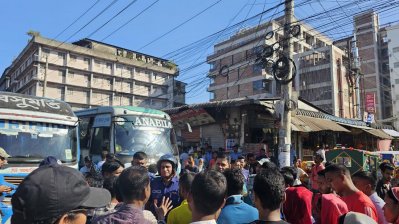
pixel 285 133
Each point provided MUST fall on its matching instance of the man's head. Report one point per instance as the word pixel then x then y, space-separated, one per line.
pixel 318 158
pixel 338 176
pixel 240 162
pixel 88 162
pixel 235 148
pixel 113 168
pixel 235 181
pixel 324 185
pixel 208 193
pixel 251 158
pixel 269 190
pixel 262 152
pixel 104 154
pixel 3 157
pixel 167 166
pixel 134 185
pixel 140 159
pixel 185 182
pixel 110 185
pixel 222 162
pixel 289 175
pixel 364 181
pixel 387 171
pixel 55 194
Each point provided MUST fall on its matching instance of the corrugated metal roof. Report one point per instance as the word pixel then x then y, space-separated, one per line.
pixel 379 133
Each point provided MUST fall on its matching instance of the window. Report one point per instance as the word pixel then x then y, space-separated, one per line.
pixel 395 50
pixel 87 61
pixel 73 57
pixel 61 55
pixel 71 74
pixel 61 73
pixel 109 65
pixel 70 92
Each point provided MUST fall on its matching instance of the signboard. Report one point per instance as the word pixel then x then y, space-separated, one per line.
pixel 195 117
pixel 102 120
pixel 370 103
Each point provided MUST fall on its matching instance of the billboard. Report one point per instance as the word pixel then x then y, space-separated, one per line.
pixel 370 103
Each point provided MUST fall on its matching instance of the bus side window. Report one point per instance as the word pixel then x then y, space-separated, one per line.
pixel 100 140
pixel 85 124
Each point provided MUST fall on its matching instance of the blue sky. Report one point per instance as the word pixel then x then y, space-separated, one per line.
pixel 50 17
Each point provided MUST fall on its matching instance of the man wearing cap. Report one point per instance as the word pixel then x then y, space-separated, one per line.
pixel 56 194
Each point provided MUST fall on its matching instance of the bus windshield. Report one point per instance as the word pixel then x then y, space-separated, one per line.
pixel 139 133
pixel 31 142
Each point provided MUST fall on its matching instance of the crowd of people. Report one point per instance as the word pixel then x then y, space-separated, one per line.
pixel 209 187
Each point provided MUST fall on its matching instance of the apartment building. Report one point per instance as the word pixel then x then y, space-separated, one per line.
pixel 88 73
pixel 393 53
pixel 322 78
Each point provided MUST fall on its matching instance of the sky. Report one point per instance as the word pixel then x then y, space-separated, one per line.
pixel 160 30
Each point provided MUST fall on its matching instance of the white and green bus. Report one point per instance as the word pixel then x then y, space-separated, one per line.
pixel 124 130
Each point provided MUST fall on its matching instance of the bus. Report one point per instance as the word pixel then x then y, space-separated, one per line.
pixel 32 128
pixel 124 130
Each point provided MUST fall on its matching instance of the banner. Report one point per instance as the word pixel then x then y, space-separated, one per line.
pixel 370 103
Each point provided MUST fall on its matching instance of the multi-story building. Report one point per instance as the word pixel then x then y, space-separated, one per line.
pixel 322 78
pixel 393 52
pixel 89 73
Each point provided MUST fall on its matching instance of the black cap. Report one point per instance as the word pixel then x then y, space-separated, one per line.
pixel 53 190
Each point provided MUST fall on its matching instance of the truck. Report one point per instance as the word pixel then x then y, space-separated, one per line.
pixel 32 128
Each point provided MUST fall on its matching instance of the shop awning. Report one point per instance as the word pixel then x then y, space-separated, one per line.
pixel 392 133
pixel 310 124
pixel 379 133
pixel 356 126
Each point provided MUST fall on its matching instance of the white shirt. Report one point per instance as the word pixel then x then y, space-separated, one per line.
pixel 378 203
pixel 205 222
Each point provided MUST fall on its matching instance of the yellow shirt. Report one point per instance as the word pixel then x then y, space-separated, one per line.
pixel 180 214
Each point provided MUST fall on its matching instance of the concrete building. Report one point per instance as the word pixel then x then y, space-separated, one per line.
pixel 322 79
pixel 393 52
pixel 89 73
pixel 235 74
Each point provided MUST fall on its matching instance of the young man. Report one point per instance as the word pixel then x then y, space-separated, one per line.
pixel 269 190
pixel 182 213
pixel 167 184
pixel 329 207
pixel 241 164
pixel 384 184
pixel 235 154
pixel 316 168
pixel 222 162
pixel 134 187
pixel 140 159
pixel 341 182
pixel 366 182
pixel 297 207
pixel 55 194
pixel 103 158
pixel 207 197
pixel 235 209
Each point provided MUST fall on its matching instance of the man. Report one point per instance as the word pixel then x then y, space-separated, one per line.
pixel 222 162
pixel 252 163
pixel 241 164
pixel 111 169
pixel 329 207
pixel 134 187
pixel 315 169
pixel 140 159
pixel 261 154
pixel 167 184
pixel 235 154
pixel 207 196
pixel 341 182
pixel 55 194
pixel 235 210
pixel 103 158
pixel 384 184
pixel 366 182
pixel 89 165
pixel 269 190
pixel 182 214
pixel 298 205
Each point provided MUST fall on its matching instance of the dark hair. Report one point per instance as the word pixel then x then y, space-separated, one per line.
pixel 250 155
pixel 87 159
pixel 288 177
pixel 386 166
pixel 104 154
pixel 232 161
pixel 322 173
pixel 368 176
pixel 132 183
pixel 292 170
pixel 110 157
pixel 186 180
pixel 109 184
pixel 221 155
pixel 338 168
pixel 235 181
pixel 152 168
pixel 111 166
pixel 392 196
pixel 240 157
pixel 140 155
pixel 269 187
pixel 208 191
pixel 269 165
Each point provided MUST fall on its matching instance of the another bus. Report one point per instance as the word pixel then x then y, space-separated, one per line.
pixel 124 130
pixel 32 128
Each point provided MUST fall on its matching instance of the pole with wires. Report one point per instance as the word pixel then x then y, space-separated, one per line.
pixel 286 90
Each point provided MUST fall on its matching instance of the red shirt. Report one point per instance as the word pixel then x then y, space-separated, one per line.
pixel 332 207
pixel 359 202
pixel 316 168
pixel 298 205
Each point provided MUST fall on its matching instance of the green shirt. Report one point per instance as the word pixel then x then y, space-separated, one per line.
pixel 180 214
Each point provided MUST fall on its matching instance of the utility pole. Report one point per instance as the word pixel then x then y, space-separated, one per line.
pixel 285 133
pixel 45 78
pixel 356 70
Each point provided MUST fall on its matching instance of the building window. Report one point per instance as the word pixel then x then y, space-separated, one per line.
pixel 109 65
pixel 395 50
pixel 71 74
pixel 87 61
pixel 261 85
pixel 70 92
pixel 61 73
pixel 61 55
pixel 396 65
pixel 73 57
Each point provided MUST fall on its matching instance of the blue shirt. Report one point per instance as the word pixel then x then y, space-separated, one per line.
pixel 159 190
pixel 236 211
pixel 234 155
